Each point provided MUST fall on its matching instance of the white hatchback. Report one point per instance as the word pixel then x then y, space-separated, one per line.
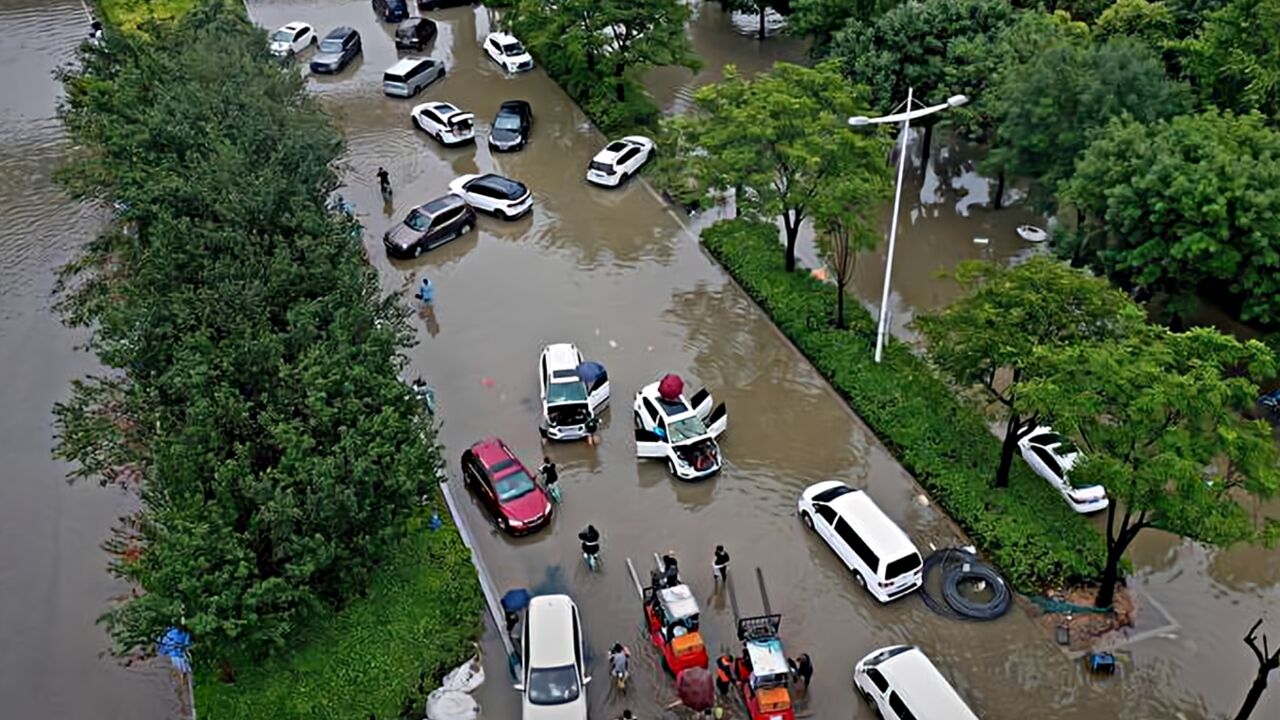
pixel 619 160
pixel 445 122
pixel 553 661
pixel 1047 454
pixel 508 52
pixel 494 194
pixel 292 38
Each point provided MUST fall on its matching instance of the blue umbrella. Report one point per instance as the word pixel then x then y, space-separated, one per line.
pixel 515 600
pixel 589 371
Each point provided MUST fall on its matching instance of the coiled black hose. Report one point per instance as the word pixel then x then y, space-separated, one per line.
pixel 958 566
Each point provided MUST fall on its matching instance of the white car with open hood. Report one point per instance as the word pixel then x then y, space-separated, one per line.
pixel 679 430
pixel 1051 458
pixel 574 393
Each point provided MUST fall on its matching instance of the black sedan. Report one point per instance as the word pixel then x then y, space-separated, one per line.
pixel 510 129
pixel 337 50
pixel 429 226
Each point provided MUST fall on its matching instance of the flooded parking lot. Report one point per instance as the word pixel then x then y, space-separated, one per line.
pixel 615 273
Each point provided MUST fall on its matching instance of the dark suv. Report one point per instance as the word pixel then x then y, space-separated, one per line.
pixel 391 10
pixel 510 129
pixel 430 226
pixel 415 33
pixel 337 50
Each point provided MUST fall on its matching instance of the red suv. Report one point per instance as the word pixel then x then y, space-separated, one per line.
pixel 518 504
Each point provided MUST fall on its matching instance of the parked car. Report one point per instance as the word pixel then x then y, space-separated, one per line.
pixel 553 668
pixel 619 160
pixel 1052 459
pixel 494 194
pixel 392 11
pixel 415 33
pixel 510 129
pixel 681 432
pixel 438 4
pixel 292 38
pixel 883 559
pixel 506 488
pixel 429 226
pixel 508 52
pixel 570 405
pixel 337 50
pixel 408 76
pixel 445 122
pixel 900 683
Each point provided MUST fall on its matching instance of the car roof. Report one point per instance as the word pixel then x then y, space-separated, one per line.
pixel 562 356
pixel 404 65
pixel 440 204
pixel 491 451
pixel 550 622
pixel 503 38
pixel 295 25
pixel 879 530
pixel 340 32
pixel 443 108
pixel 513 105
pixel 498 182
pixel 923 688
pixel 617 147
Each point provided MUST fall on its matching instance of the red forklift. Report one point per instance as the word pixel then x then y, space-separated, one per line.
pixel 671 620
pixel 762 674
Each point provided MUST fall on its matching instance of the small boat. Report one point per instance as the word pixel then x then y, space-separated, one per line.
pixel 1031 233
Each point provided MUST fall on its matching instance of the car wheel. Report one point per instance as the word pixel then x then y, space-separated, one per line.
pixel 502 523
pixel 636 415
pixel 807 518
pixel 867 697
pixel 671 467
pixel 502 215
pixel 465 229
pixel 862 582
pixel 417 250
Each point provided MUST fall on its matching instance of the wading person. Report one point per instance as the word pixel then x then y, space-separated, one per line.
pixel 426 291
pixel 720 565
pixel 384 181
pixel 802 668
pixel 551 478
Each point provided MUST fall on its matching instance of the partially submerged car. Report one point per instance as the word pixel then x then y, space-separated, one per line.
pixel 679 430
pixel 445 122
pixel 574 393
pixel 415 33
pixel 1052 459
pixel 292 38
pixel 619 160
pixel 429 226
pixel 505 487
pixel 508 52
pixel 494 194
pixel 510 129
pixel 337 50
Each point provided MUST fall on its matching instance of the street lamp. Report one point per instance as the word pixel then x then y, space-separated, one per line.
pixel 905 118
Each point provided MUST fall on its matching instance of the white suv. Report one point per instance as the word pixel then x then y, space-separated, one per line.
pixel 445 122
pixel 553 667
pixel 574 393
pixel 619 160
pixel 508 52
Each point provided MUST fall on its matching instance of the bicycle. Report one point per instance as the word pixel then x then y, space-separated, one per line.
pixel 592 560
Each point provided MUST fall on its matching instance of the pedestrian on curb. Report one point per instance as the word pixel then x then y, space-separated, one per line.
pixel 720 565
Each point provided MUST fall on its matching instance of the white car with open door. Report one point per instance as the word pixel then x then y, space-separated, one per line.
pixel 681 431
pixel 574 393
pixel 445 122
pixel 1052 459
pixel 619 160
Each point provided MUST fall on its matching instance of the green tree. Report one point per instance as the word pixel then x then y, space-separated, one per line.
pixel 819 20
pixel 1235 59
pixel 1149 23
pixel 1159 417
pixel 1174 206
pixel 252 396
pixel 841 215
pixel 1047 108
pixel 988 338
pixel 779 139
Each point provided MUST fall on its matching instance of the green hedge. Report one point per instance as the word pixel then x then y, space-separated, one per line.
pixel 1027 530
pixel 129 14
pixel 386 650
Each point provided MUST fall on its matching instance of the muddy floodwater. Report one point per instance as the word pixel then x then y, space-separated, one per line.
pixel 616 273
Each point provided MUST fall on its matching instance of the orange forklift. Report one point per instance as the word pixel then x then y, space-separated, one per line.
pixel 761 673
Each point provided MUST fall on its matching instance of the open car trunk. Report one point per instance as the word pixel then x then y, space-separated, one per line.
pixel 462 124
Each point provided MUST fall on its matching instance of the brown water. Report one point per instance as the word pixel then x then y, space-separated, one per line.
pixel 615 273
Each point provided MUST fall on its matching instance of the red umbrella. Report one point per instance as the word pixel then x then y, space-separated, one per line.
pixel 670 387
pixel 696 688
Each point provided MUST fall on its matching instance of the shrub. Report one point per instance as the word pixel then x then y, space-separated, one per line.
pixel 1027 530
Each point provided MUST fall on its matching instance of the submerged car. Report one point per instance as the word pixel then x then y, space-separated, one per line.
pixel 574 392
pixel 672 428
pixel 292 38
pixel 494 194
pixel 445 122
pixel 554 661
pixel 415 34
pixel 429 226
pixel 508 52
pixel 510 129
pixel 391 10
pixel 1052 459
pixel 619 160
pixel 410 75
pixel 337 50
pixel 506 488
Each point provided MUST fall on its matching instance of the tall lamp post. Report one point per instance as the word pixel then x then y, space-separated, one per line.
pixel 905 118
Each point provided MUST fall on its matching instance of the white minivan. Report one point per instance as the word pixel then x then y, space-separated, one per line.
pixel 554 678
pixel 881 556
pixel 902 684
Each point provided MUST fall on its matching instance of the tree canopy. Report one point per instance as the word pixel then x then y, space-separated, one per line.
pixel 252 396
pixel 988 339
pixel 1184 205
pixel 1149 23
pixel 1159 416
pixel 821 19
pixel 779 139
pixel 1235 59
pixel 842 216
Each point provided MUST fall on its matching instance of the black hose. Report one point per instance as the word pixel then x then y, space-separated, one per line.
pixel 959 566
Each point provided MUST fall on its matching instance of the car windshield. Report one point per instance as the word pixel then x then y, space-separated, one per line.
pixel 282 35
pixel 417 220
pixel 506 122
pixel 513 49
pixel 686 429
pixel 563 392
pixel 331 45
pixel 514 485
pixel 552 686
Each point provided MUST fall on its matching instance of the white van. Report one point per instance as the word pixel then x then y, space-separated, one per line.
pixel 408 76
pixel 881 556
pixel 901 684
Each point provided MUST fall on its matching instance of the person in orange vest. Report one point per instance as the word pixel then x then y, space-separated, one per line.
pixel 724 673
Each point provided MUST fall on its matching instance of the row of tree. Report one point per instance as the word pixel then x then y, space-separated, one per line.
pixel 251 395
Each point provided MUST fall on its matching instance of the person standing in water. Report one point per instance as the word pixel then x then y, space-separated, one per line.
pixel 384 181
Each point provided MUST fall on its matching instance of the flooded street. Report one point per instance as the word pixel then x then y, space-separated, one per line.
pixel 615 273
